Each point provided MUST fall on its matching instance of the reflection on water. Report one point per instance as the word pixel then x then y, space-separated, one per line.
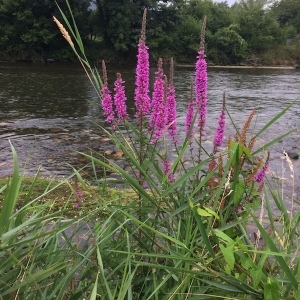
pixel 41 91
pixel 46 111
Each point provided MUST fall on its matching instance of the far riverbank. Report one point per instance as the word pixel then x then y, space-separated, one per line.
pixel 242 67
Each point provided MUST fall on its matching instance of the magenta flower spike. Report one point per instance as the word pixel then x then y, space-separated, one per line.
pixel 220 131
pixel 157 121
pixel 189 119
pixel 167 169
pixel 201 82
pixel 120 99
pixel 171 112
pixel 171 106
pixel 141 93
pixel 107 104
pixel 260 175
pixel 80 196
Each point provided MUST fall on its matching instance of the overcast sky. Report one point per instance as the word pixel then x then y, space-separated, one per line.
pixel 230 2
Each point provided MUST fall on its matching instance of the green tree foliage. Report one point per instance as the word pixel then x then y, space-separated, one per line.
pixel 120 22
pixel 228 47
pixel 27 29
pixel 288 13
pixel 161 33
pixel 187 38
pixel 257 26
pixel 218 14
pixel 224 44
pixel 111 28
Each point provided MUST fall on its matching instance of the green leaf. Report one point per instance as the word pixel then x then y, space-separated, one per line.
pixel 238 191
pixel 256 275
pixel 237 150
pixel 296 294
pixel 203 232
pixel 271 290
pixel 180 181
pixel 203 213
pixel 228 254
pixel 247 152
pixel 247 263
pixel 281 261
pixel 213 213
pixel 276 117
pixel 3 188
pixel 266 146
pixel 223 236
pixel 94 291
pixel 227 269
pixel 166 236
pixel 38 276
pixel 11 195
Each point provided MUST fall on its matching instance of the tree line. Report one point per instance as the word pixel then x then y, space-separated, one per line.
pixel 250 31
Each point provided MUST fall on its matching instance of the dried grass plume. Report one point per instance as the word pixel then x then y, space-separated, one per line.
pixel 64 32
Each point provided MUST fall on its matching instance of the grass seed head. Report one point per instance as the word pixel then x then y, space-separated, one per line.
pixel 246 128
pixel 64 32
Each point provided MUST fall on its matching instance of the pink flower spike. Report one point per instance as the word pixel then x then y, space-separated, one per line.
pixel 79 194
pixel 201 89
pixel 141 93
pixel 189 119
pixel 171 106
pixel 77 205
pixel 260 175
pixel 157 118
pixel 107 104
pixel 120 99
pixel 77 202
pixel 201 82
pixel 167 169
pixel 220 131
pixel 171 112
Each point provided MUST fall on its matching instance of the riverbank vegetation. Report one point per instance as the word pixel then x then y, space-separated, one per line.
pixel 248 32
pixel 62 195
pixel 181 231
pixel 169 250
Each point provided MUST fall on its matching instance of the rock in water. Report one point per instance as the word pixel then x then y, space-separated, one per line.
pixel 293 155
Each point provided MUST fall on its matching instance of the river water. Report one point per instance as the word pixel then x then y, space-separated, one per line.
pixel 48 112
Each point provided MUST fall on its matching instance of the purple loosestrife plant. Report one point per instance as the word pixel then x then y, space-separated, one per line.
pixel 167 169
pixel 141 93
pixel 220 131
pixel 171 106
pixel 190 116
pixel 120 99
pixel 107 104
pixel 189 119
pixel 201 82
pixel 260 175
pixel 158 115
pixel 80 197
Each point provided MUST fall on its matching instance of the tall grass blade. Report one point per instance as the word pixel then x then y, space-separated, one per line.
pixel 94 291
pixel 276 140
pixel 35 278
pixel 11 195
pixel 274 119
pixel 285 268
